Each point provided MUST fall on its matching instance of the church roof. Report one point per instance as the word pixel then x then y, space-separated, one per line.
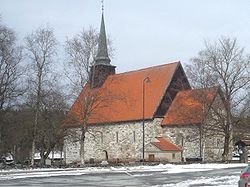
pixel 165 145
pixel 190 106
pixel 121 96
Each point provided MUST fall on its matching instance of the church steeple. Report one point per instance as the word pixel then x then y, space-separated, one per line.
pixel 101 68
pixel 102 52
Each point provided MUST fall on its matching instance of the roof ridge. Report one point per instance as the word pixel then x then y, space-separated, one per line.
pixel 167 140
pixel 143 69
pixel 197 89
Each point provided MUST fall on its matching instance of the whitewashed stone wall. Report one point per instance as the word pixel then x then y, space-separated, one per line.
pixel 126 147
pixel 213 148
pixel 72 147
pixel 188 138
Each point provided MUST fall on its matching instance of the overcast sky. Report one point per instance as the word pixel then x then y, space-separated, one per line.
pixel 144 32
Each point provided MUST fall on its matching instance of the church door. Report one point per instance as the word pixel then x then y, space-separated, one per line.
pixel 151 157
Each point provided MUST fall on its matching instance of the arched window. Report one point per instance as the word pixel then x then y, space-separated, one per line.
pixel 179 139
pixel 101 137
pixel 117 137
pixel 134 138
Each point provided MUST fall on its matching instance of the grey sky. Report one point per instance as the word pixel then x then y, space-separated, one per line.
pixel 144 32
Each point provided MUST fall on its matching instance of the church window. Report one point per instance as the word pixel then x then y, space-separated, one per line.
pixel 117 138
pixel 218 142
pixel 101 137
pixel 134 136
pixel 179 139
pixel 173 155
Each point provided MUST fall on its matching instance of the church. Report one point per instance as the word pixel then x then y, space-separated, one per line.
pixel 150 114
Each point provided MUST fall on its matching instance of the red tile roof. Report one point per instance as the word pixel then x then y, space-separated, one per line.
pixel 190 106
pixel 124 93
pixel 165 145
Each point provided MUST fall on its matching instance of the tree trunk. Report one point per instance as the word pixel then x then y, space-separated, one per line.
pixel 82 152
pixel 44 153
pixel 200 140
pixel 1 135
pixel 245 155
pixel 82 158
pixel 33 148
pixel 228 130
pixel 203 149
pixel 1 140
pixel 42 161
pixel 32 152
pixel 226 148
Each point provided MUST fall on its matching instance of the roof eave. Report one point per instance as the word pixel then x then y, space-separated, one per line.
pixel 180 124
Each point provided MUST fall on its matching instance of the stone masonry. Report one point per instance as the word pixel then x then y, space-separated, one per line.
pixel 188 137
pixel 121 141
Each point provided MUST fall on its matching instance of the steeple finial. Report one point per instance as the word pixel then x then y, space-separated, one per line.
pixel 102 6
pixel 102 52
pixel 101 68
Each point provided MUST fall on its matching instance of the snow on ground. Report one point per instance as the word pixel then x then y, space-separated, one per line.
pixel 165 168
pixel 201 167
pixel 225 181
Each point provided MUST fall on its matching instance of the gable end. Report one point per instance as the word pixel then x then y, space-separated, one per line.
pixel 179 82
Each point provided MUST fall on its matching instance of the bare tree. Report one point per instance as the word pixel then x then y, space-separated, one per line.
pixel 81 51
pixel 223 63
pixel 17 132
pixel 241 120
pixel 10 73
pixel 50 135
pixel 19 123
pixel 41 50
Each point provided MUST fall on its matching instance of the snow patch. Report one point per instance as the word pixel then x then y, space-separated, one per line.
pixel 226 181
pixel 167 168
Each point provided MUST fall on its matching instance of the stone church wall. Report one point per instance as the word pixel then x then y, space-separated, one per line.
pixel 186 137
pixel 72 146
pixel 121 141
